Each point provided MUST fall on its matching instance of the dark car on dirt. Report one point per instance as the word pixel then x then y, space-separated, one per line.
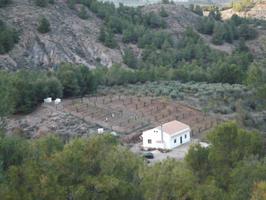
pixel 148 155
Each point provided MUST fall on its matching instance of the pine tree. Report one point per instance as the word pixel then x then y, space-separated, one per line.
pixel 83 13
pixel 218 34
pixel 44 25
pixel 130 59
pixel 4 2
pixel 163 12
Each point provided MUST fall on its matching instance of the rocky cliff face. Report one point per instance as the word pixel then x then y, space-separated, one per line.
pixel 71 39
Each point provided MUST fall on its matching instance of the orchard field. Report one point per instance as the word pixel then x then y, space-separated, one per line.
pixel 131 115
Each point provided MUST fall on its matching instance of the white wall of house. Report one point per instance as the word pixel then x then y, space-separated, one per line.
pixel 153 139
pixel 179 139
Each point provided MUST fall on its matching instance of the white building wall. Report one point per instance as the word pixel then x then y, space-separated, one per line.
pixel 152 139
pixel 179 139
pixel 169 141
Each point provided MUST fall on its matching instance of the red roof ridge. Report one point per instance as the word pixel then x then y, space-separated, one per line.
pixel 173 127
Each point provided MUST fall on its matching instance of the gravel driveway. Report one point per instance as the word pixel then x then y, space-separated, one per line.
pixel 178 153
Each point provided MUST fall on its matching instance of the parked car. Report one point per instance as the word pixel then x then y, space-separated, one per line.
pixel 148 155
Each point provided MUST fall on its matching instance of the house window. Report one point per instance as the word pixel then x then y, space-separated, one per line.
pixel 149 141
pixel 181 141
pixel 186 136
pixel 174 140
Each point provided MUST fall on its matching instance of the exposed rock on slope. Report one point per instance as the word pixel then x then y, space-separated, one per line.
pixel 258 12
pixel 71 39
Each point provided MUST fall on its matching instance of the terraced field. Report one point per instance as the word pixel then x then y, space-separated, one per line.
pixel 139 2
pixel 130 115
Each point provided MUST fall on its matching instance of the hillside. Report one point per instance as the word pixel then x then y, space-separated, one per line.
pixel 71 39
pixel 257 11
pixel 146 2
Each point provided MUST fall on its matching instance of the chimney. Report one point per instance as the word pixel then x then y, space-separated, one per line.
pixel 162 133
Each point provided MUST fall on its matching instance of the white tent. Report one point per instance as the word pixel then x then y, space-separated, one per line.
pixel 100 130
pixel 57 101
pixel 48 100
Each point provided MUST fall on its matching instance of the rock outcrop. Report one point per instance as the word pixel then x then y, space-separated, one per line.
pixel 71 39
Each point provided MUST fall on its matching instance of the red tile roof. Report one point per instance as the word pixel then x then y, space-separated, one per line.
pixel 173 127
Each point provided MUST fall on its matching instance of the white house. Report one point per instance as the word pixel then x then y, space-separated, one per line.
pixel 166 136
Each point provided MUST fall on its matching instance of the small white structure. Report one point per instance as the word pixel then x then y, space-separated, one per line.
pixel 113 133
pixel 100 130
pixel 48 100
pixel 166 136
pixel 57 101
pixel 204 144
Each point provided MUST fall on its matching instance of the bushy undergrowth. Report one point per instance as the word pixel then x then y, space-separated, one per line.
pixel 216 97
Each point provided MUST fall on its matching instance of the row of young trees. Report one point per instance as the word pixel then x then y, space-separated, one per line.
pixel 232 168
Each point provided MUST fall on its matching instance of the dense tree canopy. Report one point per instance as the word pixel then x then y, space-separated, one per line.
pixel 234 161
pixel 25 89
pixel 100 168
pixel 227 31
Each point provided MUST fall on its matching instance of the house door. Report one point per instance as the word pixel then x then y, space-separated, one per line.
pixel 181 140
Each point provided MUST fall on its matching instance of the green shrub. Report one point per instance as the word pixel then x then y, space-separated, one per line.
pixel 130 59
pixel 83 13
pixel 163 12
pixel 44 25
pixel 8 38
pixel 4 3
pixel 41 3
